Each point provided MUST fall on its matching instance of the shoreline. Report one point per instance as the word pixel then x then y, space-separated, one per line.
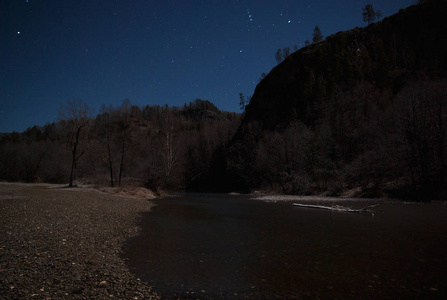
pixel 315 199
pixel 62 242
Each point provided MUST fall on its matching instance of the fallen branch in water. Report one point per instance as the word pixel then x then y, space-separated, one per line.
pixel 339 208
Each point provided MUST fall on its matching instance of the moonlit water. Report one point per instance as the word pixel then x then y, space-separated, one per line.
pixel 214 246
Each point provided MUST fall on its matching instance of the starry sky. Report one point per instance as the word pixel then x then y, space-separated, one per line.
pixel 151 51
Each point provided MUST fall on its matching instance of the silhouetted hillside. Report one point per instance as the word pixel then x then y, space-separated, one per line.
pixel 338 105
pixel 387 54
pixel 363 112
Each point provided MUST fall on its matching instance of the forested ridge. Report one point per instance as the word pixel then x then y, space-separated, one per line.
pixel 363 110
pixel 160 147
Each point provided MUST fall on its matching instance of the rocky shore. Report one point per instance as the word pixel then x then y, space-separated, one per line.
pixel 59 243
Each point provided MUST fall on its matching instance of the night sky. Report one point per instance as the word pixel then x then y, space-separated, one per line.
pixel 151 52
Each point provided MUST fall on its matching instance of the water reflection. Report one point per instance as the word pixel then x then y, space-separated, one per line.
pixel 208 247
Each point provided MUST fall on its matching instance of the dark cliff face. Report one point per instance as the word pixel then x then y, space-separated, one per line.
pixel 386 57
pixel 386 54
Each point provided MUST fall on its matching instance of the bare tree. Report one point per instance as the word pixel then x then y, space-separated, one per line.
pixel 9 159
pixel 107 133
pixel 76 115
pixel 32 157
pixel 422 121
pixel 126 126
pixel 168 145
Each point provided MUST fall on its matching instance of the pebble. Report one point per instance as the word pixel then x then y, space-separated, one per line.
pixel 80 246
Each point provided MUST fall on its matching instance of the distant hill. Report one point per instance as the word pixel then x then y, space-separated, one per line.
pixel 363 69
pixel 387 54
pixel 361 113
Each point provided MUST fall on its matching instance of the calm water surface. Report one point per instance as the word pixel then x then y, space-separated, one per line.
pixel 230 247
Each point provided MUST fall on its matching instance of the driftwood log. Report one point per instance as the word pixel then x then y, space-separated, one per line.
pixel 364 210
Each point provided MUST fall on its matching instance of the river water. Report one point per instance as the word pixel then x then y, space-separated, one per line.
pixel 230 247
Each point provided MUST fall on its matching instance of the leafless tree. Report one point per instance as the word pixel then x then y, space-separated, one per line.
pixel 422 121
pixel 76 115
pixel 107 133
pixel 9 160
pixel 168 145
pixel 32 156
pixel 126 127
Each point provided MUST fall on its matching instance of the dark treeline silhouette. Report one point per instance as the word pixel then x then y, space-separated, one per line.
pixel 361 111
pixel 160 147
pixel 365 139
pixel 283 54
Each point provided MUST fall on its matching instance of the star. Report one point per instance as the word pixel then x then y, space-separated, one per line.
pixel 250 16
pixel 163 36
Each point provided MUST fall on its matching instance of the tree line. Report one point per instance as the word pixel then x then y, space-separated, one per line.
pixel 362 109
pixel 364 138
pixel 160 147
pixel 369 16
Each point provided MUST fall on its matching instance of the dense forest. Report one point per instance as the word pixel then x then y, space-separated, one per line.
pixel 363 110
pixel 160 147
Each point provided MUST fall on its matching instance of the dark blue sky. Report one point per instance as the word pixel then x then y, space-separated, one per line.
pixel 152 52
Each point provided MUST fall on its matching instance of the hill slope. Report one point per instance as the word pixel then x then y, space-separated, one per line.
pixel 333 102
pixel 386 54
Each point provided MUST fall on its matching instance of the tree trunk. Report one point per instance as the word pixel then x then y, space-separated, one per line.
pixel 74 158
pixel 121 163
pixel 109 153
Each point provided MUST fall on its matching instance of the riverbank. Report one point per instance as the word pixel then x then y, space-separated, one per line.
pixel 66 243
pixel 312 199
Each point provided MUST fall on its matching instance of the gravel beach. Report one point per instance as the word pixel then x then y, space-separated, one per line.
pixel 60 243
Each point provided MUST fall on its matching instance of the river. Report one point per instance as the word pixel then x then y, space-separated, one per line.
pixel 231 247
